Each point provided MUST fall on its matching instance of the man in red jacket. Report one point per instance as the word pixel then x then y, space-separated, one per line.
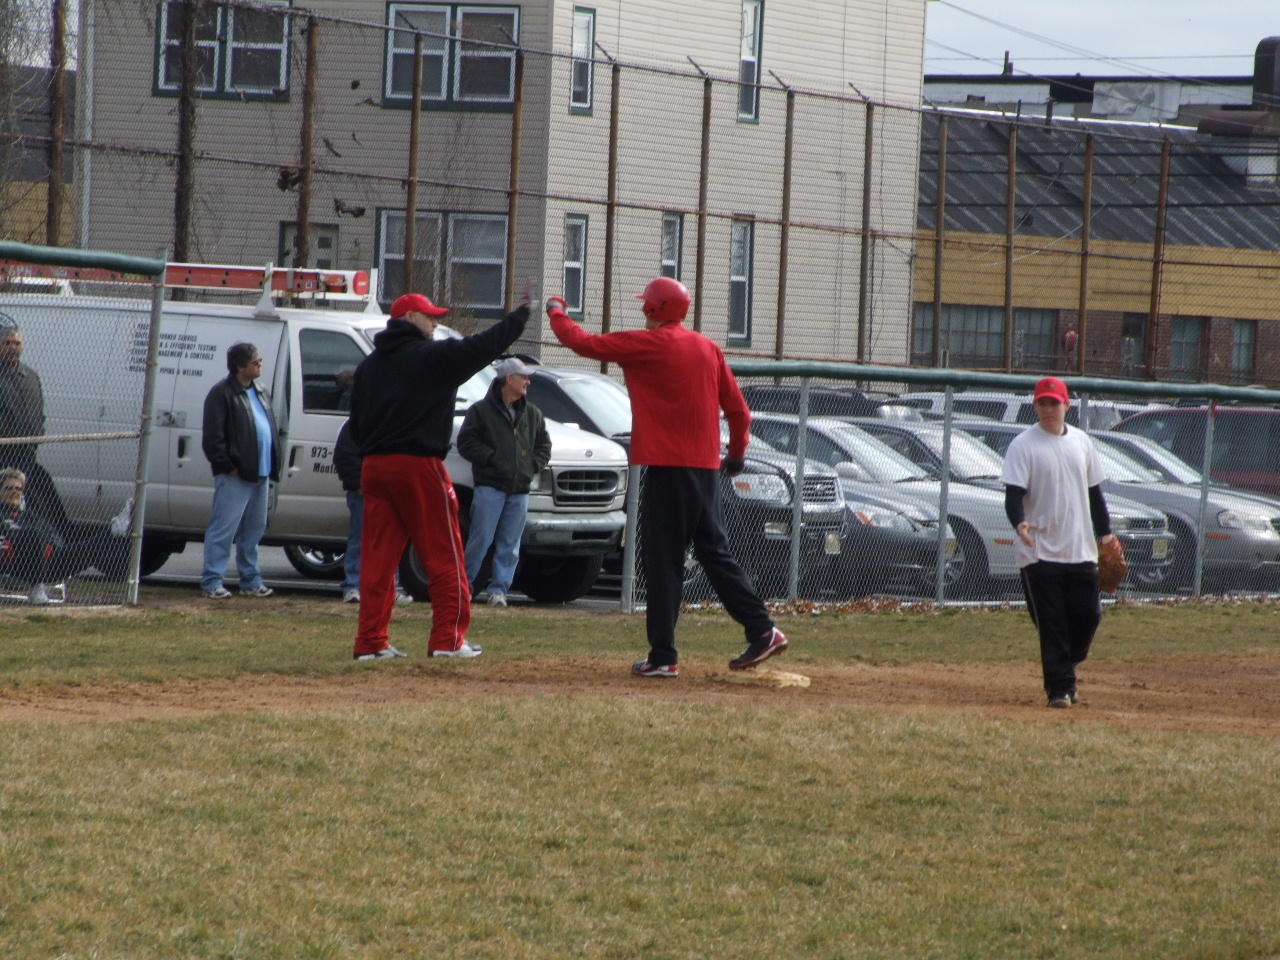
pixel 679 382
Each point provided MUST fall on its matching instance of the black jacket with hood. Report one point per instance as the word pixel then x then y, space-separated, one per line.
pixel 503 454
pixel 230 439
pixel 405 390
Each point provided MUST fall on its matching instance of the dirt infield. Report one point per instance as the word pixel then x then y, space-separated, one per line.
pixel 1226 694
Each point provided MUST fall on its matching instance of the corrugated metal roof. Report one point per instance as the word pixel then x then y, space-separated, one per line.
pixel 1210 204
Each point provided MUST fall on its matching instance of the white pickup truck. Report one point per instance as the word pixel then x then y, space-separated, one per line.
pixel 90 353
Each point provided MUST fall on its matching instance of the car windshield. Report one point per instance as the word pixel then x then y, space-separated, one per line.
pixel 879 460
pixel 605 399
pixel 971 459
pixel 1123 468
pixel 474 389
pixel 1173 467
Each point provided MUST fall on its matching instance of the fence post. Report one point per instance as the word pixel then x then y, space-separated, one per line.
pixel 784 235
pixel 1157 261
pixel 704 173
pixel 864 257
pixel 627 599
pixel 940 560
pixel 57 124
pixel 144 437
pixel 1211 413
pixel 940 216
pixel 306 157
pixel 411 183
pixel 1086 228
pixel 513 179
pixel 797 496
pixel 1010 228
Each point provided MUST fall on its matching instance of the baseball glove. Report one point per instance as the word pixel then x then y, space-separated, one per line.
pixel 1112 568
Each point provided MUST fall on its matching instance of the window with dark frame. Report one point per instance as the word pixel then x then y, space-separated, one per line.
pixel 741 256
pixel 323 243
pixel 1186 337
pixel 575 261
pixel 1244 345
pixel 749 61
pixel 582 67
pixel 241 52
pixel 460 261
pixel 468 53
pixel 672 254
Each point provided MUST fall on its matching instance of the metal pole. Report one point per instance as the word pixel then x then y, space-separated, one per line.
pixel 57 124
pixel 1157 261
pixel 1211 415
pixel 144 437
pixel 864 257
pixel 704 173
pixel 184 186
pixel 513 178
pixel 306 159
pixel 944 490
pixel 611 211
pixel 784 235
pixel 628 593
pixel 1010 215
pixel 1086 229
pixel 939 242
pixel 797 495
pixel 411 183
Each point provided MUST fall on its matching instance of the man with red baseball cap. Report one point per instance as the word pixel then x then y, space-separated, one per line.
pixel 1053 497
pixel 402 422
pixel 679 382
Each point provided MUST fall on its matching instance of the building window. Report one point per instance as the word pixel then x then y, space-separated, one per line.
pixel 575 260
pixel 742 235
pixel 460 261
pixel 1186 338
pixel 749 66
pixel 468 54
pixel 973 336
pixel 1035 347
pixel 1133 343
pixel 240 52
pixel 324 246
pixel 672 245
pixel 583 67
pixel 1244 343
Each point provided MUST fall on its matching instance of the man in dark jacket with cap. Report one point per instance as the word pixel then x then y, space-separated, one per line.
pixel 505 438
pixel 402 423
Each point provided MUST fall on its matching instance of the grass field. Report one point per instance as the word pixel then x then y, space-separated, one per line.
pixel 222 781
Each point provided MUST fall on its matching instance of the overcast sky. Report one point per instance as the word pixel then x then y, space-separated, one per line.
pixel 1151 37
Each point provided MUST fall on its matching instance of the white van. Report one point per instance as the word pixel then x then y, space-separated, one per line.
pixel 90 354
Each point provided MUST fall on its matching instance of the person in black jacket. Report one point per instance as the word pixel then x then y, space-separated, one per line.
pixel 347 462
pixel 240 444
pixel 506 440
pixel 402 423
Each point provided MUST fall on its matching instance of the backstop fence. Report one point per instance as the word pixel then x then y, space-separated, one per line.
pixel 75 402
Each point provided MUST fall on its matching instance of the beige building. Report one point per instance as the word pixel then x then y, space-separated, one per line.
pixel 252 65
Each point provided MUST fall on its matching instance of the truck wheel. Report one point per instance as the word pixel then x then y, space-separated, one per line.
pixel 156 552
pixel 316 562
pixel 558 579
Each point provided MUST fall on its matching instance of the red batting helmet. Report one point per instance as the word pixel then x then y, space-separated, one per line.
pixel 665 300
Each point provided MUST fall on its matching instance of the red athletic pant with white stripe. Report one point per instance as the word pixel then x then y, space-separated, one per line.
pixel 408 498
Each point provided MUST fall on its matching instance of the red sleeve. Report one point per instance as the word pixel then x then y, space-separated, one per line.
pixel 735 410
pixel 609 347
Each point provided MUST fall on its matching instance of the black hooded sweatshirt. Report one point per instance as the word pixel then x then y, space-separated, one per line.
pixel 405 390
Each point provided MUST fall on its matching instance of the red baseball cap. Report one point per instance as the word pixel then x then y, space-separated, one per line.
pixel 1052 387
pixel 416 303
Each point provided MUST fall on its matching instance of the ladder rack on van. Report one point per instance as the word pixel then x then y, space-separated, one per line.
pixel 271 280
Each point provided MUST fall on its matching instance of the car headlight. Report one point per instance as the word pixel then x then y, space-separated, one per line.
pixel 1235 520
pixel 762 486
pixel 883 517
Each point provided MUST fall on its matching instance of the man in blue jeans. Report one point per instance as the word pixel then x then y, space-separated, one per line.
pixel 347 461
pixel 506 440
pixel 240 444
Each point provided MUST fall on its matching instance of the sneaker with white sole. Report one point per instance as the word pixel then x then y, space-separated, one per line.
pixel 122 522
pixel 261 590
pixel 466 651
pixel 497 600
pixel 386 653
pixel 38 596
pixel 402 596
pixel 217 593
pixel 351 596
pixel 760 651
pixel 1060 701
pixel 643 668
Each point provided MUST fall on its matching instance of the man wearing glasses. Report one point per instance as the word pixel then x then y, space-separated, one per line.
pixel 240 443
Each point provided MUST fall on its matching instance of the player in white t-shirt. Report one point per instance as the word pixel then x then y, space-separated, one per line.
pixel 1053 498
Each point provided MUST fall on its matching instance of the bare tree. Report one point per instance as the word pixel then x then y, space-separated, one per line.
pixel 24 55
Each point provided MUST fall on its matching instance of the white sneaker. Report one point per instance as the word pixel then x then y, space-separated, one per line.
pixel 123 520
pixel 38 596
pixel 351 596
pixel 386 653
pixel 402 596
pixel 465 651
pixel 497 600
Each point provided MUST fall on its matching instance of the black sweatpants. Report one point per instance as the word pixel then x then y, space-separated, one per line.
pixel 680 506
pixel 1062 599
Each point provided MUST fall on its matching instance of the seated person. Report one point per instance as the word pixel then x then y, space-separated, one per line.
pixel 33 552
